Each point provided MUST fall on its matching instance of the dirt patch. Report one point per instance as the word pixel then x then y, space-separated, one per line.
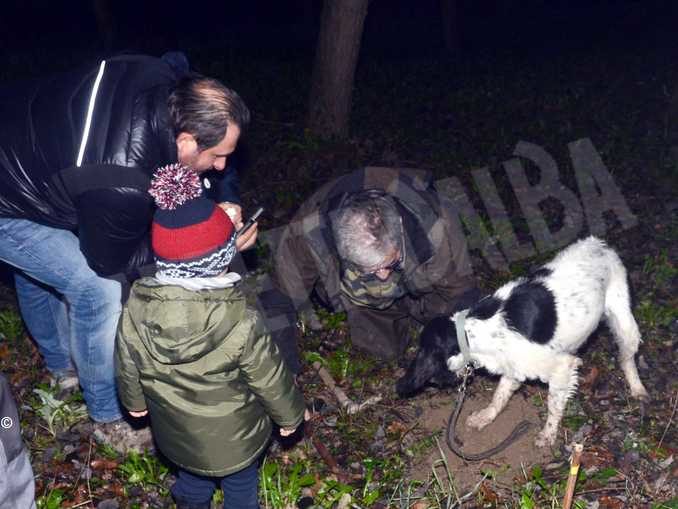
pixel 508 464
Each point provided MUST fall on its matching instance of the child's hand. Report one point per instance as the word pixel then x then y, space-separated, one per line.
pixel 285 432
pixel 138 414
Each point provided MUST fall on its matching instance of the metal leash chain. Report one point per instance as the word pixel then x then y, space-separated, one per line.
pixel 517 432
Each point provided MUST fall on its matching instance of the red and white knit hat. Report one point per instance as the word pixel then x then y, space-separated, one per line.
pixel 191 236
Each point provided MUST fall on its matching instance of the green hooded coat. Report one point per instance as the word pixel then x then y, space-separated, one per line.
pixel 205 367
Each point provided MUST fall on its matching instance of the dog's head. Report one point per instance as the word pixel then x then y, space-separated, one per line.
pixel 437 344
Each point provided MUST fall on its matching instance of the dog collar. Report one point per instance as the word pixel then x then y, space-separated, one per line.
pixel 459 322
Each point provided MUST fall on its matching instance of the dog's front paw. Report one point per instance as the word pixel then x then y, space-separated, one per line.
pixel 481 418
pixel 545 439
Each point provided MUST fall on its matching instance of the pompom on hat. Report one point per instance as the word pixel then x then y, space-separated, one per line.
pixel 191 236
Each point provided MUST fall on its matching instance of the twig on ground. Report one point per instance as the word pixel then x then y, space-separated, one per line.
pixel 668 424
pixel 81 504
pixel 89 457
pixel 89 486
pixel 325 454
pixel 572 478
pixel 349 406
pixel 473 491
pixel 607 489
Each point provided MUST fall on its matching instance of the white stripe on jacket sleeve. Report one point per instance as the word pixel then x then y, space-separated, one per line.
pixel 90 112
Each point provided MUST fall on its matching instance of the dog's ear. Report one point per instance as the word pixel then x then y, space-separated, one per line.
pixel 455 363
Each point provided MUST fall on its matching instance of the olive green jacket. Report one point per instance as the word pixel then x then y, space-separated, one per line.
pixel 204 366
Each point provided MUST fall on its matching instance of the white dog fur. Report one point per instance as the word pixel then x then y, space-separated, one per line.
pixel 587 282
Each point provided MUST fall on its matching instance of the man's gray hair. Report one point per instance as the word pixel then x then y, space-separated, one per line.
pixel 366 228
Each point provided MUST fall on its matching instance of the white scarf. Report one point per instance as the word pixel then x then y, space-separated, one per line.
pixel 201 283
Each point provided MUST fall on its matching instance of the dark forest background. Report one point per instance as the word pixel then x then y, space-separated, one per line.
pixel 393 28
pixel 442 85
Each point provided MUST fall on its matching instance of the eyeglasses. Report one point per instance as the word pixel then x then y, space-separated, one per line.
pixel 395 266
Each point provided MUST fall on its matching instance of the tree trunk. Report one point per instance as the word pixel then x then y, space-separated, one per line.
pixel 449 10
pixel 341 28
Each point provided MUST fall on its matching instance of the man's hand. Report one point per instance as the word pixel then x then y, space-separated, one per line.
pixel 141 413
pixel 248 238
pixel 234 211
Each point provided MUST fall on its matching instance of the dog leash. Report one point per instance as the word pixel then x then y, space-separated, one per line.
pixel 459 322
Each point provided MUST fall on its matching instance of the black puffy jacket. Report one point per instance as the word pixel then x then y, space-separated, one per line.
pixel 77 151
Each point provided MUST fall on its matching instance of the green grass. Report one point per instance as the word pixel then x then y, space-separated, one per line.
pixel 331 321
pixel 52 500
pixel 669 504
pixel 281 485
pixel 58 414
pixel 659 268
pixel 653 315
pixel 144 469
pixel 11 325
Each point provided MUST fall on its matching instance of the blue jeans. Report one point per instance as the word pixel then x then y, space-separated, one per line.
pixel 70 311
pixel 240 488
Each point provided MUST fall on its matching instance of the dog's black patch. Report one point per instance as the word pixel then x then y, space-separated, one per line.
pixel 485 308
pixel 531 310
pixel 541 272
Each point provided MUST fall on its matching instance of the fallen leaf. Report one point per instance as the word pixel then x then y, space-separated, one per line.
pixel 589 379
pixel 610 502
pixel 596 456
pixel 396 428
pixel 103 464
pixel 488 494
pixel 117 489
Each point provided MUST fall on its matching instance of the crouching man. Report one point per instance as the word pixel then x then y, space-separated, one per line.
pixel 380 244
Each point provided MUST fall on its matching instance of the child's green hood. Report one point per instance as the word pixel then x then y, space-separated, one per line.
pixel 177 325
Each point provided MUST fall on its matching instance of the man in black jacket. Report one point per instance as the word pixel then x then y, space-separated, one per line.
pixel 77 151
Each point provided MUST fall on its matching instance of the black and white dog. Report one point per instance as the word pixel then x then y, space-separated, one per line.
pixel 531 328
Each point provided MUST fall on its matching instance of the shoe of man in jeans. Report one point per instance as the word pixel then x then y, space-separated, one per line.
pixel 122 436
pixel 66 380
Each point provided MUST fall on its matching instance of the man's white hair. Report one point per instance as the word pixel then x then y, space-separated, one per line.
pixel 366 228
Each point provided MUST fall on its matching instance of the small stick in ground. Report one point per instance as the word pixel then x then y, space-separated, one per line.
pixel 572 478
pixel 346 403
pixel 668 424
pixel 325 454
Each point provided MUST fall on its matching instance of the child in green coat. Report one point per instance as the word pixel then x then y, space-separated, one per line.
pixel 196 358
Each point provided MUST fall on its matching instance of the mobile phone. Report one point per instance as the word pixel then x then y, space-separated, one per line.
pixel 250 221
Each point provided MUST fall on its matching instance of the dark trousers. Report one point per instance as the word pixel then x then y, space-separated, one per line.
pixel 195 491
pixel 384 333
